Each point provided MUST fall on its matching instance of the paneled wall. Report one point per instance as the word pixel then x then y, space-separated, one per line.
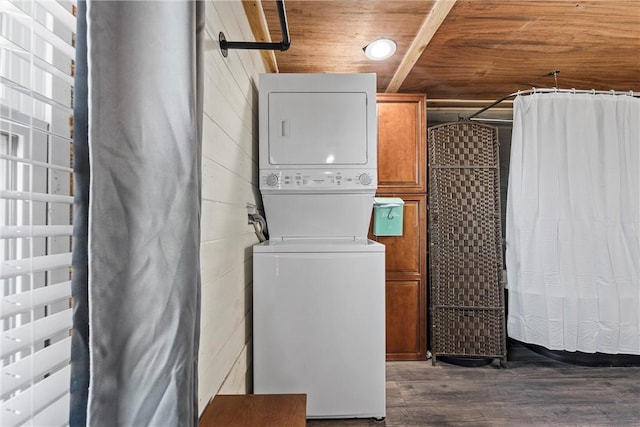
pixel 229 171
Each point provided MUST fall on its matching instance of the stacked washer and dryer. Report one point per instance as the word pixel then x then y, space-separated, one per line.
pixel 318 284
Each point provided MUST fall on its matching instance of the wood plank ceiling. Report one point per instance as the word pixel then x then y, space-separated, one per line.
pixel 484 49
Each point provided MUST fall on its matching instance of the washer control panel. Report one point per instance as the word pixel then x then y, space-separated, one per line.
pixel 318 179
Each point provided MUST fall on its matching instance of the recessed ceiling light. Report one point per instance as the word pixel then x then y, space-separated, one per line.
pixel 380 49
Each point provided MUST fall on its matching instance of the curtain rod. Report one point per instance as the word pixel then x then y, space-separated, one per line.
pixel 225 45
pixel 551 90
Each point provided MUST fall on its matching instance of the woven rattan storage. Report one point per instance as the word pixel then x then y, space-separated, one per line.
pixel 467 295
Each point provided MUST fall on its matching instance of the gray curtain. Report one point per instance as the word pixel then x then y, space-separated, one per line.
pixel 144 128
pixel 79 387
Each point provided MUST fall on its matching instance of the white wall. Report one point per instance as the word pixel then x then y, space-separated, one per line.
pixel 229 176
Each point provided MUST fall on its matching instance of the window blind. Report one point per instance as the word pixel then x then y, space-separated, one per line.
pixel 36 201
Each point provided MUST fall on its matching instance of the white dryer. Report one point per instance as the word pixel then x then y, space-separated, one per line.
pixel 318 306
pixel 318 153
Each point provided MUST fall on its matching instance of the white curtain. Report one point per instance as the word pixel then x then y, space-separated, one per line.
pixel 573 223
pixel 141 83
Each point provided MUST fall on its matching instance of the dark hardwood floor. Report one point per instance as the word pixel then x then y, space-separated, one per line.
pixel 531 391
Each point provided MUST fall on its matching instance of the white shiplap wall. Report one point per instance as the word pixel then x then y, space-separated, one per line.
pixel 229 171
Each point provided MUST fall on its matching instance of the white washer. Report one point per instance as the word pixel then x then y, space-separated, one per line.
pixel 319 324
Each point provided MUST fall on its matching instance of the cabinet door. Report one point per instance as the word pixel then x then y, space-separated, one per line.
pixel 406 319
pixel 401 143
pixel 406 254
pixel 406 290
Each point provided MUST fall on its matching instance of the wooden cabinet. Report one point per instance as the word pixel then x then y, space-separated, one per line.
pixel 406 290
pixel 402 173
pixel 402 143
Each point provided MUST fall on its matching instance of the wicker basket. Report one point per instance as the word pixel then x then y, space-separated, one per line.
pixel 467 293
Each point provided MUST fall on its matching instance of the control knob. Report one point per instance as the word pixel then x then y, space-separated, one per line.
pixel 364 179
pixel 272 179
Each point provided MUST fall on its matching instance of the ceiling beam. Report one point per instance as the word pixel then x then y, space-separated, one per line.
pixel 430 25
pixel 260 30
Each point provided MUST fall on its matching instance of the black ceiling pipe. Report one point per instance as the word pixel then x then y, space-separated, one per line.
pixel 281 46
